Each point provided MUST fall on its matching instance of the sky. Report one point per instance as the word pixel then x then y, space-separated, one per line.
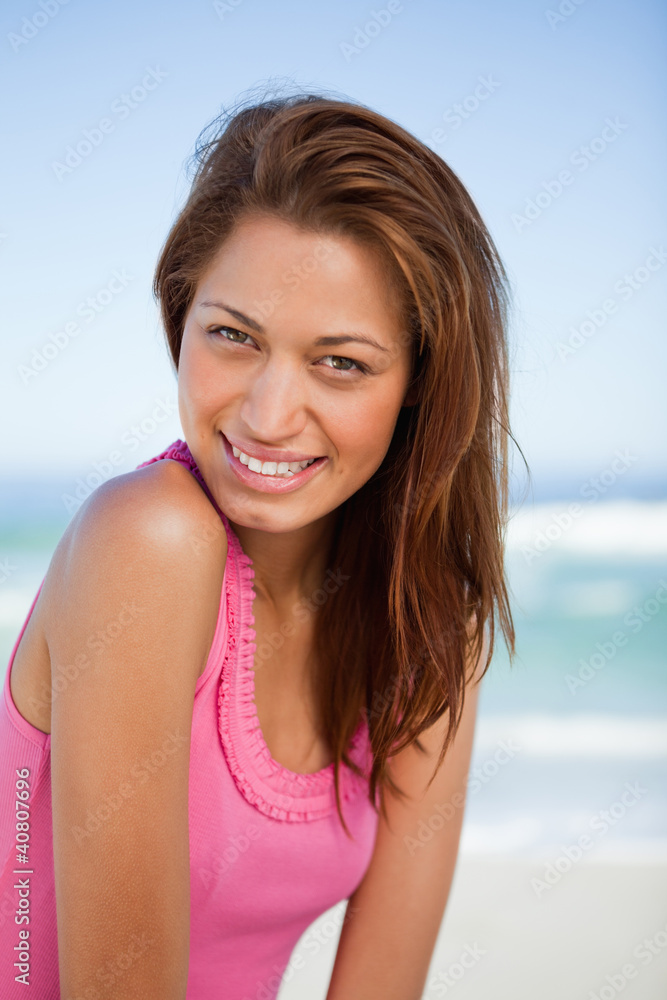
pixel 552 116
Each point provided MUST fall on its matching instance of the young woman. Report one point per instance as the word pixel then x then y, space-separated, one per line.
pixel 246 689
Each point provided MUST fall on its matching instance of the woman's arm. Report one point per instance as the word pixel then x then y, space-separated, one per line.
pixel 387 943
pixel 126 623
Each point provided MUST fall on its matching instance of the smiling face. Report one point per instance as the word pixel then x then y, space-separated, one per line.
pixel 257 379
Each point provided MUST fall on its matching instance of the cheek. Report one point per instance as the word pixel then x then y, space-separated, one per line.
pixel 201 384
pixel 364 432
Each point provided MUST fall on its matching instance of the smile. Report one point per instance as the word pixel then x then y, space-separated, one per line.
pixel 271 477
pixel 286 469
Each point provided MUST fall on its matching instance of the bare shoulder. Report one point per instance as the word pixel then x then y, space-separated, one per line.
pixel 152 529
pixel 159 502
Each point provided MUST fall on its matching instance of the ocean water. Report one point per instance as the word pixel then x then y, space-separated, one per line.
pixel 586 697
pixel 571 739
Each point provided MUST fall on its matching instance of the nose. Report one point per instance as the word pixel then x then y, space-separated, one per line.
pixel 274 407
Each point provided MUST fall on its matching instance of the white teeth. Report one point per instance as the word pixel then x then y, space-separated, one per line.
pixel 285 469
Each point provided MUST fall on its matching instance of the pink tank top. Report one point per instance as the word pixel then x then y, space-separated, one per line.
pixel 268 854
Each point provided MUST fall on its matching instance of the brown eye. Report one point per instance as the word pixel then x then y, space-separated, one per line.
pixel 224 330
pixel 362 369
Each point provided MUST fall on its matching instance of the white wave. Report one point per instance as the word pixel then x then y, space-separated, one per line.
pixel 627 527
pixel 589 735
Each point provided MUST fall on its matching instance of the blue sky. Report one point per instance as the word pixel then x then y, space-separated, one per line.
pixel 578 95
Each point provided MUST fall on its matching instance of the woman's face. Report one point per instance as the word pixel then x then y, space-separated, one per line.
pixel 293 349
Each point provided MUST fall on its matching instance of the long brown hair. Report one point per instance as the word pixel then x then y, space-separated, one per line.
pixel 422 542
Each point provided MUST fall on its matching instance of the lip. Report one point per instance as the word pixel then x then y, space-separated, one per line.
pixel 267 454
pixel 269 484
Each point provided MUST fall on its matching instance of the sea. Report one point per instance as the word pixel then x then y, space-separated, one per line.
pixel 570 752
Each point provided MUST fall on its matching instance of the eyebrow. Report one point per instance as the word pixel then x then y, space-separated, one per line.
pixel 330 341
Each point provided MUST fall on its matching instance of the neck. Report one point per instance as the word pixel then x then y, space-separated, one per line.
pixel 289 565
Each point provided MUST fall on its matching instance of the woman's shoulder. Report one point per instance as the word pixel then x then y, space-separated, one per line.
pixel 152 531
pixel 157 503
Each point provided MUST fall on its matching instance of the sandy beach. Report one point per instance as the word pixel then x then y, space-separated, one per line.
pixel 600 931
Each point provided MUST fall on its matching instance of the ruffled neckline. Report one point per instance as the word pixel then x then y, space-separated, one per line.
pixel 272 788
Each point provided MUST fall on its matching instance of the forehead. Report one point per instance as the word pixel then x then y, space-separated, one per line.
pixel 270 260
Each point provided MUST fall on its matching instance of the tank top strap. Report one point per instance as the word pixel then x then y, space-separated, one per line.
pixel 179 452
